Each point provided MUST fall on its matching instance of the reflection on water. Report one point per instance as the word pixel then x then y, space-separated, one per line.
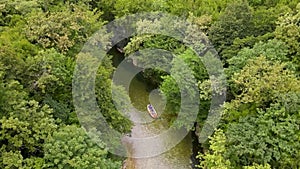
pixel 146 127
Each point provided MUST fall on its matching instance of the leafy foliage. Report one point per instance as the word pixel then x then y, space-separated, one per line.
pixel 270 137
pixel 288 31
pixel 258 41
pixel 70 147
pixel 261 81
pixel 215 159
pixel 48 77
pixel 62 29
pixel 235 22
pixel 23 135
pixel 273 50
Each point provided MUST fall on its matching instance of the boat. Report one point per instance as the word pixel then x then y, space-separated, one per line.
pixel 121 50
pixel 152 111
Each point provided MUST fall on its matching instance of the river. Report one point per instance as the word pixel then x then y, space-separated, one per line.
pixel 141 94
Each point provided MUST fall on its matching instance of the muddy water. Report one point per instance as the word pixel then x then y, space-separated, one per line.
pixel 142 152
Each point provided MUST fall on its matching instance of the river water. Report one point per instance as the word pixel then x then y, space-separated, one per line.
pixel 178 157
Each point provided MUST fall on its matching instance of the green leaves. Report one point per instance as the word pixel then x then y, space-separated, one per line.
pixel 273 50
pixel 64 29
pixel 258 42
pixel 48 71
pixel 288 30
pixel 262 122
pixel 215 158
pixel 48 77
pixel 125 7
pixel 11 160
pixel 270 137
pixel 235 22
pixel 70 147
pixel 261 81
pixel 28 126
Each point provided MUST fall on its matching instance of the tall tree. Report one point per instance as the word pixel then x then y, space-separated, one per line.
pixel 71 147
pixel 65 28
pixel 235 22
pixel 23 133
pixel 288 30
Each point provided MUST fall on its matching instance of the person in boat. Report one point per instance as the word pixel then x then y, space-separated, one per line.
pixel 152 111
pixel 151 108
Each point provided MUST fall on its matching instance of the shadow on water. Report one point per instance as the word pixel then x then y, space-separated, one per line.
pixel 141 94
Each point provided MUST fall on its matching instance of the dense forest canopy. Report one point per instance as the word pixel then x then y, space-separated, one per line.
pixel 258 42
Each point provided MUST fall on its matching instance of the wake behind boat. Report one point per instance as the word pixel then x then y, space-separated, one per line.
pixel 152 111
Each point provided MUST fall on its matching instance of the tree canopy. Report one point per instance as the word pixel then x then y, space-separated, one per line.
pixel 258 42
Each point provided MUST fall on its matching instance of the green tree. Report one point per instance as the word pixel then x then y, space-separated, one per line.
pixel 264 108
pixel 288 30
pixel 15 48
pixel 258 166
pixel 214 158
pixel 264 19
pixel 125 7
pixel 273 50
pixel 210 7
pixel 86 66
pixel 258 84
pixel 248 42
pixel 271 136
pixel 23 133
pixel 48 79
pixel 181 90
pixel 71 147
pixel 63 29
pixel 10 10
pixel 235 22
pixel 11 91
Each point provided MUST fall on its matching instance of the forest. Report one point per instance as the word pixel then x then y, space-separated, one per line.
pixel 258 44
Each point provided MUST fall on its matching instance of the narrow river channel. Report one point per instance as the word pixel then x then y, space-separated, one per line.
pixel 141 94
